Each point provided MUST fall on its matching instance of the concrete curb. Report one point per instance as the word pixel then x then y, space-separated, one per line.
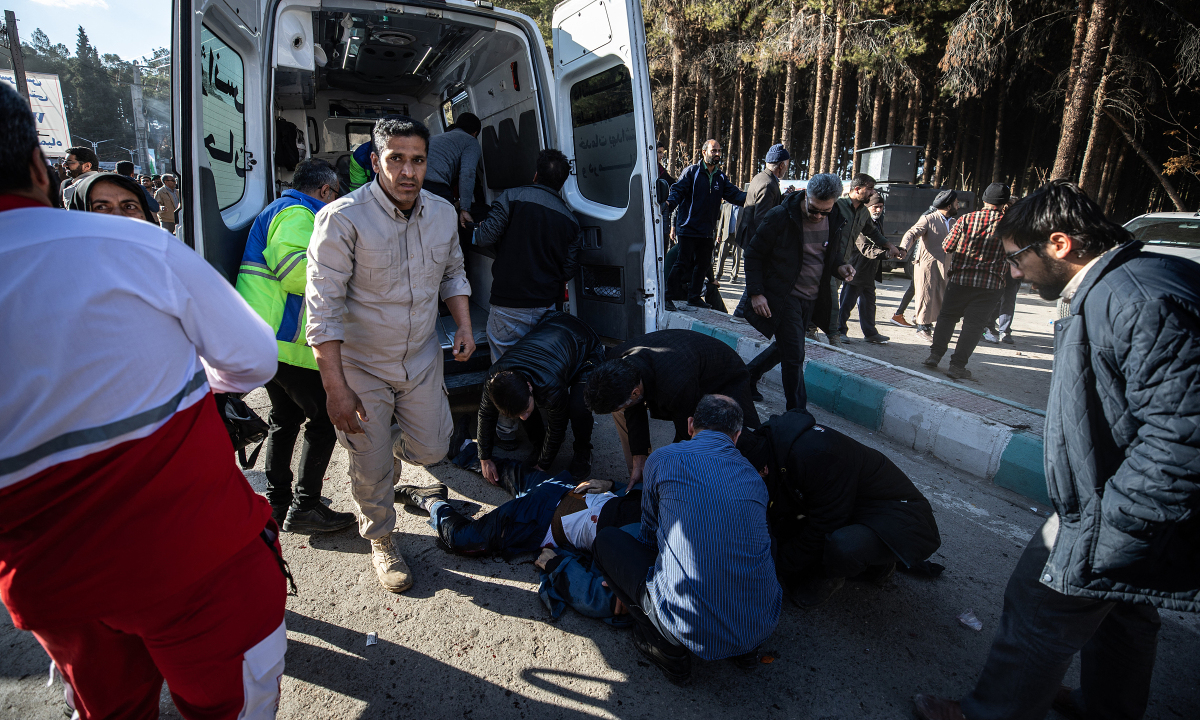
pixel 964 440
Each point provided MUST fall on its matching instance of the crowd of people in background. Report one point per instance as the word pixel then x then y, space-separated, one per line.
pixel 115 436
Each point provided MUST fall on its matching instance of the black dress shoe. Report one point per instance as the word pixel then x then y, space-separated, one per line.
pixel 413 496
pixel 669 305
pixel 319 519
pixel 675 663
pixel 699 304
pixel 580 466
pixel 279 514
pixel 748 661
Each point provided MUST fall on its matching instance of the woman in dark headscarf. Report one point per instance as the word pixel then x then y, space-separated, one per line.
pixel 929 266
pixel 112 194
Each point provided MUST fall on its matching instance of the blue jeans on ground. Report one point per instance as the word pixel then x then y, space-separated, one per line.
pixel 864 295
pixel 1039 633
pixel 518 525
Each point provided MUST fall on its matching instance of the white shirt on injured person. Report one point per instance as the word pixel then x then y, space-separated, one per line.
pixel 580 527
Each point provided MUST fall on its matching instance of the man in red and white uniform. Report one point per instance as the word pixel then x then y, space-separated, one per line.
pixel 130 543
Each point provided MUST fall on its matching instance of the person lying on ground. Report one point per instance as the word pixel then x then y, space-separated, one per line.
pixel 698 577
pixel 546 370
pixel 551 513
pixel 839 508
pixel 663 375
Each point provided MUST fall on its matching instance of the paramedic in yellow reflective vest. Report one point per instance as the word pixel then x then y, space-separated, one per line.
pixel 271 279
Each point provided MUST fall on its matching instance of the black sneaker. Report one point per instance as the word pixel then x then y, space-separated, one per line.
pixel 319 519
pixel 1007 340
pixel 279 514
pixel 699 304
pixel 932 360
pixel 580 466
pixel 878 339
pixel 669 305
pixel 814 591
pixel 958 372
pixel 412 496
pixel 675 663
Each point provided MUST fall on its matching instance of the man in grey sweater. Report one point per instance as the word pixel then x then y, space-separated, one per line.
pixel 455 154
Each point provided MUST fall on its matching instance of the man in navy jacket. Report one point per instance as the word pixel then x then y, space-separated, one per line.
pixel 698 194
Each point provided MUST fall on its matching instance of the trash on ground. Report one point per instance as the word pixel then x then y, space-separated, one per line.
pixel 968 619
pixel 372 639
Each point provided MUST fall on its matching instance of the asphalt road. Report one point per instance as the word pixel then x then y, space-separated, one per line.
pixel 472 640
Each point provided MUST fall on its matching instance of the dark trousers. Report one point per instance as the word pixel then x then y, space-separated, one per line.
pixel 625 563
pixel 864 295
pixel 490 533
pixel 791 316
pixel 297 393
pixel 581 423
pixel 1039 633
pixel 973 306
pixel 850 550
pixel 1005 308
pixel 692 265
pixel 763 362
pixel 909 294
pixel 442 190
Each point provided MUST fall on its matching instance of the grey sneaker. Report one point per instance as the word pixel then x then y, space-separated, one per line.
pixel 390 568
pixel 932 360
pixel 958 372
pixel 924 334
pixel 420 497
pixel 319 519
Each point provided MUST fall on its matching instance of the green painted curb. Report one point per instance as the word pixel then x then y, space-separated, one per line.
pixel 1022 468
pixel 725 336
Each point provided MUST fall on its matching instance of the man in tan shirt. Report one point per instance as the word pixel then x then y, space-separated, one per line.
pixel 378 260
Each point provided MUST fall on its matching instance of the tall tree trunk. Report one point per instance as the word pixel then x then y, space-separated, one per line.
pixel 916 113
pixel 877 111
pixel 1155 168
pixel 754 134
pixel 1081 30
pixel 954 176
pixel 893 105
pixel 789 101
pixel 735 122
pixel 711 128
pixel 816 145
pixel 777 126
pixel 834 162
pixel 997 155
pixel 833 113
pixel 860 117
pixel 1080 99
pixel 1110 201
pixel 673 133
pixel 940 176
pixel 931 141
pixel 982 146
pixel 909 112
pixel 697 114
pixel 1110 159
pixel 1089 174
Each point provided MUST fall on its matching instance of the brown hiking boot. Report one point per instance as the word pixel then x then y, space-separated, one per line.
pixel 389 565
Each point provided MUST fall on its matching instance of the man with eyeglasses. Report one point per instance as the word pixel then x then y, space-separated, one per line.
pixel 975 282
pixel 1122 470
pixel 790 256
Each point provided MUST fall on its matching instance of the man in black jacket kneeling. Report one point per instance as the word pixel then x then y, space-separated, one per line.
pixel 839 508
pixel 546 369
pixel 1122 471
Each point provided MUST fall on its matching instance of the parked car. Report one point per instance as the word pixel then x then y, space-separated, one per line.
pixel 1169 233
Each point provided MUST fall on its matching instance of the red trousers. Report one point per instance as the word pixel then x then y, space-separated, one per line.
pixel 219 644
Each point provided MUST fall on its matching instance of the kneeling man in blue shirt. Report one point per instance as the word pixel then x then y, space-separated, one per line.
pixel 698 578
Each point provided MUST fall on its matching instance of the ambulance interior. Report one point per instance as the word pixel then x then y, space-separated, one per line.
pixel 369 64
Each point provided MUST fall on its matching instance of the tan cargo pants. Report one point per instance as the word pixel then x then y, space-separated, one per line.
pixel 420 437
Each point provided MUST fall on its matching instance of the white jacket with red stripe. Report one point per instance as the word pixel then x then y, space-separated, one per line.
pixel 114 335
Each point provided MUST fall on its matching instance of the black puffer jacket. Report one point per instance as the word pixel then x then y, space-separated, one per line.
pixel 556 353
pixel 822 480
pixel 1123 434
pixel 774 252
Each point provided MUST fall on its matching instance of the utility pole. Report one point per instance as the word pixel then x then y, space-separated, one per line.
pixel 140 128
pixel 14 50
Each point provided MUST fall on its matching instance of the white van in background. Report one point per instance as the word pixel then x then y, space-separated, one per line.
pixel 324 70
